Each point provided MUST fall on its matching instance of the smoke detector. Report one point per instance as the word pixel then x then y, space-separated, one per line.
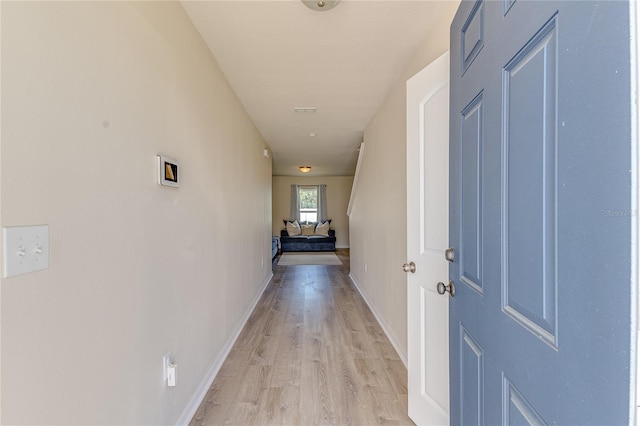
pixel 320 5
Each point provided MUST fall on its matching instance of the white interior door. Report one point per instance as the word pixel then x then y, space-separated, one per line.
pixel 427 239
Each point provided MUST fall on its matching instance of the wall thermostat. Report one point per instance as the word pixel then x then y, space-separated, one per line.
pixel 168 171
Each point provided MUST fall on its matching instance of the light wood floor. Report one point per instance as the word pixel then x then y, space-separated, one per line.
pixel 311 353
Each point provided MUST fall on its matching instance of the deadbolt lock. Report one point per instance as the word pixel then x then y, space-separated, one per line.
pixel 449 254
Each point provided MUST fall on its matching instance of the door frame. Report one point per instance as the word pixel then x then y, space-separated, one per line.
pixel 635 227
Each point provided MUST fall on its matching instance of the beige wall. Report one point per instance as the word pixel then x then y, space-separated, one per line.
pixel 91 92
pixel 378 220
pixel 338 192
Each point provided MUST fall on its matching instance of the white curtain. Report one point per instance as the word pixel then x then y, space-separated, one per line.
pixel 322 203
pixel 294 212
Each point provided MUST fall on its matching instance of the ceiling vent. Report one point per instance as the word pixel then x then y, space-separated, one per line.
pixel 305 110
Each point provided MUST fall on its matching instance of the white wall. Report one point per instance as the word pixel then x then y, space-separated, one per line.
pixel 378 221
pixel 338 192
pixel 91 92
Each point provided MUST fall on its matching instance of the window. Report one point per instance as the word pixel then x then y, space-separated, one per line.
pixel 308 198
pixel 308 202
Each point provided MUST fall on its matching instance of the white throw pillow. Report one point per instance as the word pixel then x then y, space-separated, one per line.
pixel 307 229
pixel 293 228
pixel 323 229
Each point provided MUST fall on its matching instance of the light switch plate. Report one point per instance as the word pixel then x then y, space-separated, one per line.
pixel 26 249
pixel 169 370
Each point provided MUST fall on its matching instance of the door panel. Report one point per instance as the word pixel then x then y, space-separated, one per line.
pixel 471 379
pixel 472 35
pixel 529 149
pixel 517 410
pixel 433 127
pixel 471 142
pixel 540 151
pixel 434 308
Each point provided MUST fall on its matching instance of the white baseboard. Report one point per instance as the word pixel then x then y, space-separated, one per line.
pixel 341 246
pixel 402 354
pixel 198 397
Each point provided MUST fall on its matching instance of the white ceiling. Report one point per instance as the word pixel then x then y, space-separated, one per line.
pixel 279 54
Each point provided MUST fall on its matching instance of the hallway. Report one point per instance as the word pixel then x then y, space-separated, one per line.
pixel 311 353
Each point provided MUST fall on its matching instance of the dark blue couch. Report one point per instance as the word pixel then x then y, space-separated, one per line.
pixel 307 243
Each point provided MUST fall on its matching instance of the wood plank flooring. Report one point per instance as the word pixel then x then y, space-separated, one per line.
pixel 312 353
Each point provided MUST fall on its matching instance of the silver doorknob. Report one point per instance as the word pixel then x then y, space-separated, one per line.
pixel 450 254
pixel 442 288
pixel 409 267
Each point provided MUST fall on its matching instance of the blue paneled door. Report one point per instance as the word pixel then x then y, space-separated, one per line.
pixel 540 213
